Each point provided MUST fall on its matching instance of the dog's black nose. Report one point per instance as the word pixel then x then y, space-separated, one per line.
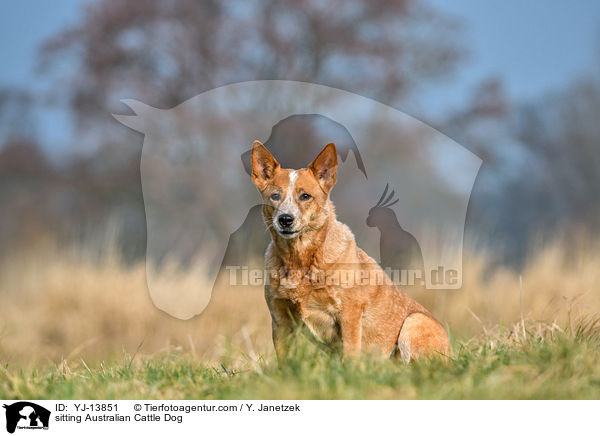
pixel 285 220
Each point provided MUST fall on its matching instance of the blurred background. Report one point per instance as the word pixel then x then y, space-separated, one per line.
pixel 516 83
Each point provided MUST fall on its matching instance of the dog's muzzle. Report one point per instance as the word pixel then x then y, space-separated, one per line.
pixel 285 223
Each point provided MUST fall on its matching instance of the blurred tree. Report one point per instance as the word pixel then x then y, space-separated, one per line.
pixel 541 159
pixel 165 52
pixel 16 115
pixel 540 166
pixel 564 137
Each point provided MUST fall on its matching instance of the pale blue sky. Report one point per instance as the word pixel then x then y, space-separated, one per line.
pixel 535 47
pixel 23 27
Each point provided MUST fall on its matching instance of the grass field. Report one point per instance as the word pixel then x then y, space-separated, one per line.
pixel 79 326
pixel 540 362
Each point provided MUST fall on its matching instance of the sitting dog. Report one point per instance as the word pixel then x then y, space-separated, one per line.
pixel 310 253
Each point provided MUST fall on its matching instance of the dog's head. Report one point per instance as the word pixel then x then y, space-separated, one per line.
pixel 295 201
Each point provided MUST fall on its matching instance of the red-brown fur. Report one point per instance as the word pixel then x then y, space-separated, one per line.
pixel 374 317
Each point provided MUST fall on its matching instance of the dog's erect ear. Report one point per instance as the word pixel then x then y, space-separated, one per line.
pixel 324 167
pixel 263 165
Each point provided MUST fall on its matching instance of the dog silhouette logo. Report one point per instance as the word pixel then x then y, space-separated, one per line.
pixel 26 415
pixel 201 205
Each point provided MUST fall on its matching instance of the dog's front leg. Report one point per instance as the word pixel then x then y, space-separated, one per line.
pixel 282 335
pixel 351 327
pixel 282 325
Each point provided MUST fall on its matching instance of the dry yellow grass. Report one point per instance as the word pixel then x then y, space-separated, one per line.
pixel 56 305
pixel 59 303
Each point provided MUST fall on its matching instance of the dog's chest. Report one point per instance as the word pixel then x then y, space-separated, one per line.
pixel 319 310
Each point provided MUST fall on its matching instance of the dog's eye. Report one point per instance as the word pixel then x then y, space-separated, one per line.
pixel 305 196
pixel 275 196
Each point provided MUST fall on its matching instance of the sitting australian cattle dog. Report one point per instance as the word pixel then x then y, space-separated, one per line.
pixel 311 251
